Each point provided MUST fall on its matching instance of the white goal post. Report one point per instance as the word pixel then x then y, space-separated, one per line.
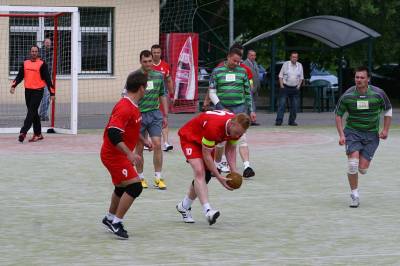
pixel 71 122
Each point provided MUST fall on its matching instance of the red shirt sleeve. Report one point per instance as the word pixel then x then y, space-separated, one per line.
pixel 120 117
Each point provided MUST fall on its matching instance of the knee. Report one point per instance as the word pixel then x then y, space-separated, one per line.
pixel 134 190
pixel 156 145
pixel 352 166
pixel 363 171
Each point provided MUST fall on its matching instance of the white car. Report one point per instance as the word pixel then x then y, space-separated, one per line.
pixel 324 75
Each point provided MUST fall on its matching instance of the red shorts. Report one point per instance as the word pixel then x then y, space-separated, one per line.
pixel 191 150
pixel 121 170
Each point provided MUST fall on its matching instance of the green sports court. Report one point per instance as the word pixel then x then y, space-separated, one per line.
pixel 295 210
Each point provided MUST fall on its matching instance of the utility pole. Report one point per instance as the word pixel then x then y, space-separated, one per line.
pixel 231 20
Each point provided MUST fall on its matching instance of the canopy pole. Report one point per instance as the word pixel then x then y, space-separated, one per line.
pixel 340 72
pixel 370 40
pixel 273 52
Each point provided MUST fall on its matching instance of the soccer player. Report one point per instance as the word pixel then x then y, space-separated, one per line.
pixel 120 138
pixel 163 67
pixel 364 104
pixel 153 120
pixel 198 138
pixel 230 89
pixel 36 76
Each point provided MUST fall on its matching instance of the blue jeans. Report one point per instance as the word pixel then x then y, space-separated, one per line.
pixel 44 106
pixel 293 94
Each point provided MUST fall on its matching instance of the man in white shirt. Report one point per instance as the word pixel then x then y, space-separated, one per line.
pixel 290 79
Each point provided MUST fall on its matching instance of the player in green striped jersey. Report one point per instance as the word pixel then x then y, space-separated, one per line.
pixel 230 89
pixel 153 120
pixel 364 104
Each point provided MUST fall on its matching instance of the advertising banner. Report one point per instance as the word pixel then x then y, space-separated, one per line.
pixel 180 50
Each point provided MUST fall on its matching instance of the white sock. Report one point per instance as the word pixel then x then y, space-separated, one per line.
pixel 110 216
pixel 166 144
pixel 157 175
pixel 223 159
pixel 187 202
pixel 141 175
pixel 206 207
pixel 246 164
pixel 116 220
pixel 355 193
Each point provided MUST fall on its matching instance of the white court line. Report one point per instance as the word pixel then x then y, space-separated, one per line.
pixel 218 262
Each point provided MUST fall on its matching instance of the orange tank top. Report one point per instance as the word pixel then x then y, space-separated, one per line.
pixel 32 78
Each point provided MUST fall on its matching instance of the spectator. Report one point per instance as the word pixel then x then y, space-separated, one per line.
pixel 46 54
pixel 252 64
pixel 290 79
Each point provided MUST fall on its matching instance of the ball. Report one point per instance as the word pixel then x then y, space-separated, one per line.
pixel 236 180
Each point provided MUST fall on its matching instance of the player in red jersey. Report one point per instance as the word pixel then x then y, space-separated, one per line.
pixel 164 68
pixel 198 139
pixel 119 140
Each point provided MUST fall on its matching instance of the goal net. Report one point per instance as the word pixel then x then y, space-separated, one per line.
pixel 54 31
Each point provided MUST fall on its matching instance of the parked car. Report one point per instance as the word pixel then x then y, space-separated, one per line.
pixel 321 74
pixel 387 77
pixel 203 75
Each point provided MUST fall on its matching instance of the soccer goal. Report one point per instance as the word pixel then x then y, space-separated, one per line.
pixel 21 27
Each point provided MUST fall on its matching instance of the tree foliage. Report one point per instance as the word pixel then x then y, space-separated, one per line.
pixel 253 17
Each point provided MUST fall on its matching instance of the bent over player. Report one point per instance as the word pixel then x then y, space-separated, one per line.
pixel 120 137
pixel 198 138
pixel 364 104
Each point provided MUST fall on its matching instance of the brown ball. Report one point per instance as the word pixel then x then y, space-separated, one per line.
pixel 236 181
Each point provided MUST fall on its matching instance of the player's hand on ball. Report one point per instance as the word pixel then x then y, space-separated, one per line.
pixel 223 180
pixel 235 180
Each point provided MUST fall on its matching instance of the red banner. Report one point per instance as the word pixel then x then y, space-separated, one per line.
pixel 181 50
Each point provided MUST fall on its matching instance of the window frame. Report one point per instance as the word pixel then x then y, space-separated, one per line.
pixel 40 30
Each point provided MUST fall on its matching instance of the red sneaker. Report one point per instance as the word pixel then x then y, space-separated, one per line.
pixel 36 138
pixel 21 137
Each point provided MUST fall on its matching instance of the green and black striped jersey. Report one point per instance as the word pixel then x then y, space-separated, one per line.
pixel 364 110
pixel 232 86
pixel 155 89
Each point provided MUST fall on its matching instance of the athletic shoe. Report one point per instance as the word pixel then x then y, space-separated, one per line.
pixel 146 148
pixel 160 183
pixel 21 137
pixel 36 138
pixel 107 223
pixel 212 216
pixel 355 201
pixel 167 147
pixel 293 124
pixel 119 231
pixel 248 172
pixel 144 183
pixel 186 213
pixel 223 167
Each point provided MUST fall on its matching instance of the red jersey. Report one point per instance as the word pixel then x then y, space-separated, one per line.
pixel 162 67
pixel 248 70
pixel 126 117
pixel 208 128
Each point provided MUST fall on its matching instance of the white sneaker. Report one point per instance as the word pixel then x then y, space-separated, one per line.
pixel 186 214
pixel 355 201
pixel 223 167
pixel 167 147
pixel 146 148
pixel 212 216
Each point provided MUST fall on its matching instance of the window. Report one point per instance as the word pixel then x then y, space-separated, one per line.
pixel 95 40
